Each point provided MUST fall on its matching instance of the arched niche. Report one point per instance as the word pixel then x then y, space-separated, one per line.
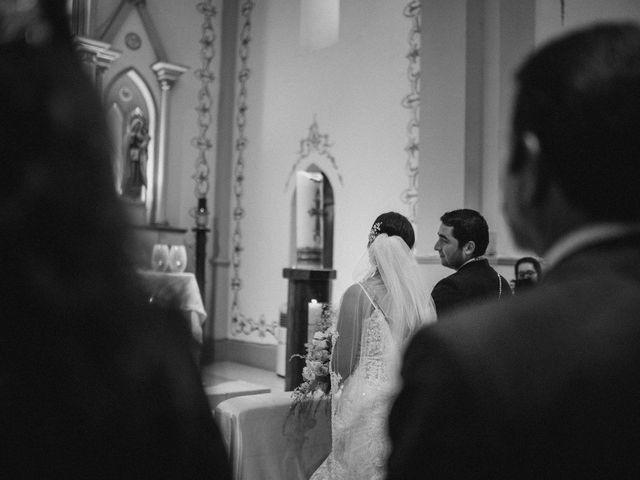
pixel 131 114
pixel 328 219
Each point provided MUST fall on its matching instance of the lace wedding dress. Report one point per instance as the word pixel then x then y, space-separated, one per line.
pixel 360 405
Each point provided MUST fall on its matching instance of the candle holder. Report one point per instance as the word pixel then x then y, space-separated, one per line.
pixel 305 285
pixel 201 215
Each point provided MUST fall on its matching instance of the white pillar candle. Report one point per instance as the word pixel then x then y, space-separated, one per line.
pixel 315 314
pixel 309 215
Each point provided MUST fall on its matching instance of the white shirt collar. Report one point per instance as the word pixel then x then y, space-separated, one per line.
pixel 584 236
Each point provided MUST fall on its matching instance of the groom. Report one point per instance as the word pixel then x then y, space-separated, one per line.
pixel 463 237
pixel 547 385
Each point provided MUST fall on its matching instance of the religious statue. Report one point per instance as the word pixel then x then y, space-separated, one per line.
pixel 136 159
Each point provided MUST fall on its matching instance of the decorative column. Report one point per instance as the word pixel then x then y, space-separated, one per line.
pixel 82 12
pixel 97 57
pixel 167 74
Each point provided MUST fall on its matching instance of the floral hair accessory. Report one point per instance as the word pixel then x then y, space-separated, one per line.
pixel 375 231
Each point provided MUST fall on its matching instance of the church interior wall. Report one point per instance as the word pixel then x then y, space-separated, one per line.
pixel 179 28
pixel 448 120
pixel 352 92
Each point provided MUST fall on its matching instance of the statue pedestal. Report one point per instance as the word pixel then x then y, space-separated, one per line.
pixel 305 284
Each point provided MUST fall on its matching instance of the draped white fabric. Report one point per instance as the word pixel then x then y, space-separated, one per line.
pixel 265 441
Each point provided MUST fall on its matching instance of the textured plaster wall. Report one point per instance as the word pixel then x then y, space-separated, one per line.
pixel 353 89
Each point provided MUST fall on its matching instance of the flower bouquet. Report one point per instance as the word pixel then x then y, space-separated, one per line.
pixel 316 374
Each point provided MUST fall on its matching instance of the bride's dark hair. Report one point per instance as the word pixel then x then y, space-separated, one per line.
pixel 393 223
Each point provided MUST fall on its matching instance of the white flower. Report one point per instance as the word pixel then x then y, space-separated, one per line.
pixel 321 344
pixel 308 374
pixel 315 365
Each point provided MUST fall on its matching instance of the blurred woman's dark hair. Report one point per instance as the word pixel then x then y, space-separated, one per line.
pixel 59 213
pixel 96 382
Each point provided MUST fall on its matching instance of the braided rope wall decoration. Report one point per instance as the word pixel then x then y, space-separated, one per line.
pixel 240 323
pixel 205 101
pixel 411 102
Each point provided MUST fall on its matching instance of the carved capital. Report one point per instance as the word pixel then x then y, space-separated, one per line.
pixel 167 73
pixel 96 52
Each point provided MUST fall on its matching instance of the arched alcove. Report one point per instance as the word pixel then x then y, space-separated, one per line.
pixel 131 113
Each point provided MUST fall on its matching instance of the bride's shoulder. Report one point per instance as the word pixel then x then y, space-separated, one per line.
pixel 352 293
pixel 355 296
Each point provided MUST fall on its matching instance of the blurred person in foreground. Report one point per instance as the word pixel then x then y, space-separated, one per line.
pixel 547 384
pixel 95 382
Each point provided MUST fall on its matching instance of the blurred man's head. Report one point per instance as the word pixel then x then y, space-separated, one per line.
pixel 575 151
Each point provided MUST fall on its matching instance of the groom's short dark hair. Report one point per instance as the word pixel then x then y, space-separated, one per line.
pixel 468 225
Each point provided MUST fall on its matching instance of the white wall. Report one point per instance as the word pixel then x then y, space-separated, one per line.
pixel 354 90
pixel 511 30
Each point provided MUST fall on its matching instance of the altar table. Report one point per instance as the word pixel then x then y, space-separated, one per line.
pixel 181 290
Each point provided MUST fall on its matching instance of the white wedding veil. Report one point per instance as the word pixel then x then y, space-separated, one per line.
pixel 388 274
pixel 407 304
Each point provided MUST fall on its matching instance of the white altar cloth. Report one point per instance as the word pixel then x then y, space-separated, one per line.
pixel 182 290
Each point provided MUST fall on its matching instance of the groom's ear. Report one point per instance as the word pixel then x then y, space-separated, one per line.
pixel 469 248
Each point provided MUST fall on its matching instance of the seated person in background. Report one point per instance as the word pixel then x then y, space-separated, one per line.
pixel 96 382
pixel 528 273
pixel 463 237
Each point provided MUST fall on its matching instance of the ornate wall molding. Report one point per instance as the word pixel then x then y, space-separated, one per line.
pixel 314 142
pixel 202 142
pixel 205 102
pixel 411 102
pixel 240 324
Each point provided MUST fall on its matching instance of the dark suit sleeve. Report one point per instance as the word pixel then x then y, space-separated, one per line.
pixel 433 424
pixel 446 294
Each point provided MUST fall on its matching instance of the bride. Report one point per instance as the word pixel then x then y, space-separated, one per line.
pixel 377 315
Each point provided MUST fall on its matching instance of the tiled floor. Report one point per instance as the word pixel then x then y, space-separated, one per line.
pixel 224 380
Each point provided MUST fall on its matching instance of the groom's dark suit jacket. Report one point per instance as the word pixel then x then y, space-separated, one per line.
pixel 473 282
pixel 545 385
